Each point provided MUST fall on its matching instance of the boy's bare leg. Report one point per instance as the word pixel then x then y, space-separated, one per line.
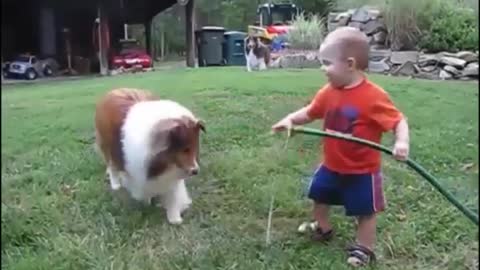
pixel 362 253
pixel 366 231
pixel 320 213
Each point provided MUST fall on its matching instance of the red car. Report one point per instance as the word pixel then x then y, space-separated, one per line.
pixel 131 54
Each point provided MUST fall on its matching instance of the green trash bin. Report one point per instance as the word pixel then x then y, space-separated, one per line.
pixel 234 49
pixel 210 45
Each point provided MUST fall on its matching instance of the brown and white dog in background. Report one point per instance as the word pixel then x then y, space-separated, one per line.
pixel 150 146
pixel 257 54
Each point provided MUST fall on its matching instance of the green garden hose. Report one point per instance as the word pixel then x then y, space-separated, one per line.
pixel 412 164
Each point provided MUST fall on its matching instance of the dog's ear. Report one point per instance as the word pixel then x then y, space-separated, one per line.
pixel 201 125
pixel 162 133
pixel 178 136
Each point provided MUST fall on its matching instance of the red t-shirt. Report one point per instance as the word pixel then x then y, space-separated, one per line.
pixel 364 111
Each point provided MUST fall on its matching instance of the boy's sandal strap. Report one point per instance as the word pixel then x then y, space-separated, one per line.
pixel 359 255
pixel 319 235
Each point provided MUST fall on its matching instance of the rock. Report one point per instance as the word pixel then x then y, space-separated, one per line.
pixel 427 75
pixel 402 57
pixel 343 18
pixel 428 68
pixel 467 56
pixel 378 66
pixel 378 55
pixel 311 61
pixel 447 54
pixel 334 16
pixel 428 60
pixel 373 27
pixel 332 26
pixel 343 21
pixel 444 75
pixel 357 25
pixel 471 70
pixel 375 14
pixel 380 37
pixel 407 69
pixel 452 61
pixel 370 40
pixel 452 70
pixel 379 47
pixel 361 15
pixel 292 61
pixel 306 59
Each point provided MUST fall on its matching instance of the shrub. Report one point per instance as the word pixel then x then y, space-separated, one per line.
pixel 401 18
pixel 433 25
pixel 307 33
pixel 452 30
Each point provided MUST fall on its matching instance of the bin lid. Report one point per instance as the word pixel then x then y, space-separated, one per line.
pixel 213 28
pixel 237 33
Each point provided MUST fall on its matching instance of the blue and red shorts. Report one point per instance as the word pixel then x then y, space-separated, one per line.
pixel 360 194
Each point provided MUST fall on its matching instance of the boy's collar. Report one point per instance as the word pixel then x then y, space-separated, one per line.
pixel 356 84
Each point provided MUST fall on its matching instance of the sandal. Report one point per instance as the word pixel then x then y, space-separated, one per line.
pixel 359 255
pixel 319 235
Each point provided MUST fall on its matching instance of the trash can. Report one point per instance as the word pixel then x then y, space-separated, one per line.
pixel 209 45
pixel 233 48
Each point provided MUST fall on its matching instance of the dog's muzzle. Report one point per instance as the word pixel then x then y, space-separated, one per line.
pixel 193 171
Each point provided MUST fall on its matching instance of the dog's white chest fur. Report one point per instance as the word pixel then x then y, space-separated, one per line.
pixel 253 62
pixel 136 132
pixel 170 185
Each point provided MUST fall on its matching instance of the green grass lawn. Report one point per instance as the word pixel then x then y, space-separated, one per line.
pixel 58 213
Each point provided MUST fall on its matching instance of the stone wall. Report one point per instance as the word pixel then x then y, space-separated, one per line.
pixel 366 19
pixel 443 66
pixel 440 66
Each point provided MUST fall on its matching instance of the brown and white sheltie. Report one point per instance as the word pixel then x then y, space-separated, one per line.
pixel 150 146
pixel 257 54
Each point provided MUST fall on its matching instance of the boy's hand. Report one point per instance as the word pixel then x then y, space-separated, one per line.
pixel 400 150
pixel 284 124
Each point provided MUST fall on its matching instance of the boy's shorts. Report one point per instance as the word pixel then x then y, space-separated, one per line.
pixel 360 194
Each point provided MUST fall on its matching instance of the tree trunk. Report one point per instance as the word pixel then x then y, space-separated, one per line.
pixel 162 43
pixel 189 31
pixel 102 47
pixel 148 36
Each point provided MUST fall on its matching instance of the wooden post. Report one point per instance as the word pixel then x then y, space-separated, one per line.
pixel 102 48
pixel 148 36
pixel 162 44
pixel 190 34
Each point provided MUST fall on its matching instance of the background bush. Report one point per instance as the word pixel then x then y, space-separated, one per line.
pixel 307 33
pixel 431 25
pixel 453 30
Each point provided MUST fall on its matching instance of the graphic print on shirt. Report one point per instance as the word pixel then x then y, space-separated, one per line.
pixel 341 119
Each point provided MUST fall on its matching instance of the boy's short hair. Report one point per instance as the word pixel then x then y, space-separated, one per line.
pixel 352 43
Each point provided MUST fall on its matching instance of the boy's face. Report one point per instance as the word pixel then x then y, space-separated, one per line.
pixel 339 70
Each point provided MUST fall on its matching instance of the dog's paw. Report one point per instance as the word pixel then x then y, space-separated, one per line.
pixel 114 181
pixel 174 217
pixel 175 220
pixel 115 186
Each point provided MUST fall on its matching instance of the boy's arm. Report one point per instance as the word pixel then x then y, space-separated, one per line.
pixel 301 116
pixel 402 140
pixel 315 110
pixel 388 117
pixel 401 131
pixel 298 118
